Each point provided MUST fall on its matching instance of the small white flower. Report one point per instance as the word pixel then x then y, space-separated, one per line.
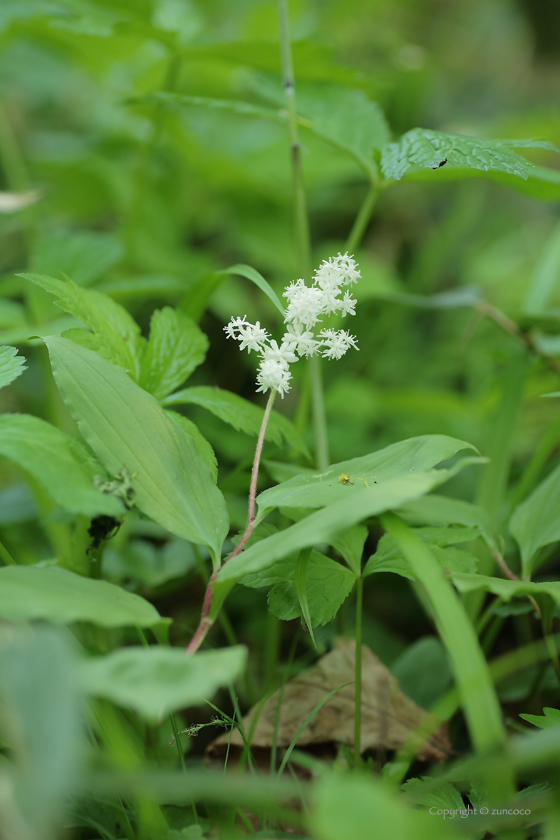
pixel 273 375
pixel 279 354
pixel 250 336
pixel 301 340
pixel 305 306
pixel 336 342
pixel 234 325
pixel 347 305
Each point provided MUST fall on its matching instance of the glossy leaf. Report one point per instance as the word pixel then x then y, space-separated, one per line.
pixel 116 335
pixel 126 426
pixel 432 149
pixel 61 464
pixel 158 680
pixel 536 522
pixel 29 593
pixel 239 413
pixel 175 348
pixel 11 365
pixel 399 459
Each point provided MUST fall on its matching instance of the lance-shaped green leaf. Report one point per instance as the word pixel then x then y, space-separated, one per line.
pixel 28 593
pixel 408 456
pixel 536 522
pixel 205 449
pixel 175 348
pixel 199 294
pixel 239 413
pixel 433 149
pixel 116 335
pixel 158 680
pixel 442 510
pixel 11 365
pixel 61 464
pixel 323 525
pixel 126 426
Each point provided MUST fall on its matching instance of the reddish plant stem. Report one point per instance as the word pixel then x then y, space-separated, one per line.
pixel 206 621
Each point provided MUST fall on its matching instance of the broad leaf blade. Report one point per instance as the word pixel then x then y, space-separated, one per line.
pixel 175 348
pixel 389 556
pixel 409 456
pixel 432 149
pixel 11 365
pixel 239 413
pixel 28 593
pixel 117 335
pixel 126 426
pixel 61 464
pixel 204 448
pixel 159 680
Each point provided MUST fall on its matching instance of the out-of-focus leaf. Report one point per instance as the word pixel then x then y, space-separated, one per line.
pixel 83 256
pixel 196 299
pixel 126 426
pixel 11 202
pixel 422 792
pixel 351 545
pixel 11 365
pixel 159 680
pixel 239 413
pixel 432 149
pixel 203 446
pixel 506 589
pixel 61 464
pixel 544 278
pixel 423 671
pixel 141 560
pixel 41 725
pixel 399 459
pixel 443 510
pixel 389 557
pixel 116 335
pixel 28 593
pixel 175 348
pixel 536 522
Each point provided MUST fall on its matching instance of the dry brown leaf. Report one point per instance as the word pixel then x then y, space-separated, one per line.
pixel 388 716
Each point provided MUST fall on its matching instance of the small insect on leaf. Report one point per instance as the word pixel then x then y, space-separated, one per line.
pixel 345 479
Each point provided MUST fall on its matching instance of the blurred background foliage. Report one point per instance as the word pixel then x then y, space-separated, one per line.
pixel 139 198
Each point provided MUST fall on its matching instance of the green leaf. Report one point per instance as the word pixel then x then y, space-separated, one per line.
pixel 550 718
pixel 11 365
pixel 361 807
pixel 175 348
pixel 423 671
pixel 199 294
pixel 116 334
pixel 442 510
pixel 536 522
pixel 444 795
pixel 347 119
pixel 432 149
pixel 323 525
pixel 408 456
pixel 157 680
pixel 204 448
pixel 84 256
pixel 239 413
pixel 544 278
pixel 29 593
pixel 506 589
pixel 351 545
pixel 328 584
pixel 126 426
pixel 42 725
pixel 61 464
pixel 389 557
pixel 472 677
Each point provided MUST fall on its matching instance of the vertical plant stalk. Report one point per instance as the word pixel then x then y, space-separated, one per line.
pixel 206 621
pixel 362 220
pixel 303 237
pixel 6 557
pixel 358 675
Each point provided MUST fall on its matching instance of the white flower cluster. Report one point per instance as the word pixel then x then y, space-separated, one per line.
pixel 306 305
